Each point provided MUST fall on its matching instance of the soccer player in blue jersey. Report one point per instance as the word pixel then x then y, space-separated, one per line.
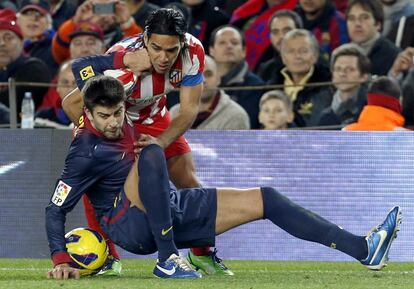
pixel 139 211
pixel 150 65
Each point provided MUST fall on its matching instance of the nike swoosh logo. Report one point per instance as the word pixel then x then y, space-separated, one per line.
pixel 165 232
pixel 11 166
pixel 383 236
pixel 166 271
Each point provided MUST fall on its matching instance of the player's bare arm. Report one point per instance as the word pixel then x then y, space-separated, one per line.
pixel 189 106
pixel 73 105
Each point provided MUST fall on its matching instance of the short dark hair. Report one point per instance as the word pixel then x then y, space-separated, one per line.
pixel 351 49
pixel 183 9
pixel 290 14
pixel 215 31
pixel 102 90
pixel 385 85
pixel 373 6
pixel 166 21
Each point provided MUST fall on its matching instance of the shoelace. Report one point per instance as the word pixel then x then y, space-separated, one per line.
pixel 218 260
pixel 376 228
pixel 182 263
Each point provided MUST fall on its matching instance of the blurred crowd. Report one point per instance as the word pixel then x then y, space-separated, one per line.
pixel 271 64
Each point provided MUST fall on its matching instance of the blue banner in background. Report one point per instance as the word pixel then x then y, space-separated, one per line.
pixel 350 178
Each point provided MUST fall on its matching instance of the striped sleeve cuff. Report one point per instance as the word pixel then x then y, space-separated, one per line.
pixel 60 258
pixel 119 59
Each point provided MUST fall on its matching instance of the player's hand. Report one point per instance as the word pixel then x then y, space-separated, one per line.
pixel 84 12
pixel 63 271
pixel 403 62
pixel 138 61
pixel 122 13
pixel 145 140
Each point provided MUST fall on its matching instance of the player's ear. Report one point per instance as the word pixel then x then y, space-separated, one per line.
pixel 89 114
pixel 146 39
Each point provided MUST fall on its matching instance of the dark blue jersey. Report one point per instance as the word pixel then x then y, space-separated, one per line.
pixel 95 166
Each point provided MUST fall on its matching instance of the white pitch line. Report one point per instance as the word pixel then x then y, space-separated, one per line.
pixel 251 271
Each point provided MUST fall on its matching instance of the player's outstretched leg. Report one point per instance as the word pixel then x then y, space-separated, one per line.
pixel 380 238
pixel 307 225
pixel 154 192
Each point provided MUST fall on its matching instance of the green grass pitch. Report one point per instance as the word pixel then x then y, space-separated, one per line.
pixel 30 274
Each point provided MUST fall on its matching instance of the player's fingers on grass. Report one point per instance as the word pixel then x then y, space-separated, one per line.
pixel 49 274
pixel 66 273
pixel 75 274
pixel 57 273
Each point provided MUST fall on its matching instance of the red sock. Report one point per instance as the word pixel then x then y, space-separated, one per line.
pixel 94 225
pixel 112 249
pixel 201 251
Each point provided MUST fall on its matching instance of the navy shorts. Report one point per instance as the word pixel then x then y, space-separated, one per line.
pixel 193 212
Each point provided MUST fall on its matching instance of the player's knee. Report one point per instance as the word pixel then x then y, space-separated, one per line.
pixel 270 198
pixel 268 191
pixel 151 156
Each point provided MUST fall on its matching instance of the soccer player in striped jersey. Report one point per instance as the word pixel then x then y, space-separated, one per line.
pixel 150 65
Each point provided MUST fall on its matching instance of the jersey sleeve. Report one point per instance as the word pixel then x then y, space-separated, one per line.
pixel 76 178
pixel 90 66
pixel 195 60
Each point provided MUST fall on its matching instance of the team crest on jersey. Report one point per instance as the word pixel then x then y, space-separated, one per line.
pixel 175 76
pixel 61 192
pixel 87 72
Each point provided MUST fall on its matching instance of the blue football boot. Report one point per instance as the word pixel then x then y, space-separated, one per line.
pixel 175 267
pixel 380 238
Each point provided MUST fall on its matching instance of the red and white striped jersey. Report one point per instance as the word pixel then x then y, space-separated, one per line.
pixel 146 94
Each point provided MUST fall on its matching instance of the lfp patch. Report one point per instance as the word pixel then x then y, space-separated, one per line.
pixel 61 192
pixel 87 72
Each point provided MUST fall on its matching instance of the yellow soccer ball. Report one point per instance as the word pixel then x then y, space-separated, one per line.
pixel 87 248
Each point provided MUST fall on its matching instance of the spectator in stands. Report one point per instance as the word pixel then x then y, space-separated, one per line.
pixel 383 111
pixel 408 98
pixel 86 39
pixel 300 51
pixel 253 19
pixel 350 71
pixel 140 9
pixel 115 25
pixel 394 11
pixel 402 64
pixel 326 23
pixel 280 23
pixel 4 114
pixel 275 110
pixel 205 17
pixel 35 22
pixel 217 110
pixel 401 33
pixel 14 64
pixel 364 20
pixel 61 11
pixel 8 4
pixel 228 49
pixel 55 115
pixel 403 71
pixel 341 5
